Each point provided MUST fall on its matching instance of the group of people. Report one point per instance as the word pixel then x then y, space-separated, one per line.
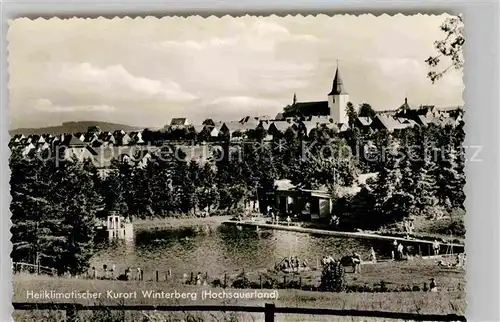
pixel 460 261
pixel 354 259
pixel 408 226
pixel 398 251
pixel 198 279
pixel 275 219
pixel 293 263
pixel 110 273
pixel 327 260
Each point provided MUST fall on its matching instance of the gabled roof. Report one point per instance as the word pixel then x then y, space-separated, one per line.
pixel 254 119
pixel 423 119
pixel 237 126
pixel 365 120
pixel 343 127
pixel 391 123
pixel 281 126
pixel 73 141
pixel 307 109
pixel 319 119
pixel 309 126
pixel 198 128
pixel 265 124
pixel 178 121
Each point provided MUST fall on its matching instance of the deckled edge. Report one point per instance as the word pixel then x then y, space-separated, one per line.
pixel 222 15
pixel 6 199
pixel 4 113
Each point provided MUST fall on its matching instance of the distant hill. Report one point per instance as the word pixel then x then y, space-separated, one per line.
pixel 74 127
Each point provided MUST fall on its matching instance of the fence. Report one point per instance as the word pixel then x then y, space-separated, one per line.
pixel 32 268
pixel 269 311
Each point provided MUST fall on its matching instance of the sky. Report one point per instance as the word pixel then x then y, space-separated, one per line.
pixel 146 71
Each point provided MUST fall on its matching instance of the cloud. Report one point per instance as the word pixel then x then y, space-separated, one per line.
pixel 45 105
pixel 150 70
pixel 117 80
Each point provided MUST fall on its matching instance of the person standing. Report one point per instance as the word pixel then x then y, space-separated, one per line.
pixel 433 286
pixel 411 226
pixel 356 260
pixel 435 247
pixel 400 251
pixel 373 256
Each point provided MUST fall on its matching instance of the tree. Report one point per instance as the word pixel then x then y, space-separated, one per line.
pixel 208 194
pixel 351 114
pixel 28 185
pixel 148 136
pixel 257 134
pixel 450 48
pixel 330 164
pixel 365 110
pixel 94 129
pixel 74 207
pixel 53 212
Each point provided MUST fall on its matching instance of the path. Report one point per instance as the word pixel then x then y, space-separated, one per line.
pixel 334 233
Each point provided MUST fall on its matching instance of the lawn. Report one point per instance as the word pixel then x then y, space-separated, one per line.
pixel 449 299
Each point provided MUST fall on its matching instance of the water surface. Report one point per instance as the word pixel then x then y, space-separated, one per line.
pixel 225 249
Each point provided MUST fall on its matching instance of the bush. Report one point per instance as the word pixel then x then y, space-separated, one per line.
pixel 333 278
pixel 241 282
pixel 235 212
pixel 457 228
pixel 217 283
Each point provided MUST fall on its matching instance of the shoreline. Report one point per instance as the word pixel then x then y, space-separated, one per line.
pixel 305 227
pixel 174 222
pixel 363 235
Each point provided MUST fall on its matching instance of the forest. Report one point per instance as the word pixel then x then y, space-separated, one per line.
pixel 56 203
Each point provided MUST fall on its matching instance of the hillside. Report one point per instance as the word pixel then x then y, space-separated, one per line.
pixel 73 127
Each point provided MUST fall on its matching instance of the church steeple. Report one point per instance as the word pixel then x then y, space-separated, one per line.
pixel 338 84
pixel 405 106
pixel 338 99
pixel 294 98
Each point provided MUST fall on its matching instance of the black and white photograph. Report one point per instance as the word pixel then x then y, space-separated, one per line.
pixel 247 168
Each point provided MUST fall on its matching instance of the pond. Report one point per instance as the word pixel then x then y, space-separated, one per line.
pixel 225 249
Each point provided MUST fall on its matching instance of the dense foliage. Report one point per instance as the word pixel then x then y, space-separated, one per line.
pixel 53 212
pixel 415 171
pixel 449 48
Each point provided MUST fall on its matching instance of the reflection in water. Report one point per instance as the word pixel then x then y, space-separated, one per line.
pixel 225 249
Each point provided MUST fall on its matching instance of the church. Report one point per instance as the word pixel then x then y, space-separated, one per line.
pixel 335 106
pixel 334 109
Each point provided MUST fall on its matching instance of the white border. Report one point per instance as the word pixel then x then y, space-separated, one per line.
pixel 481 105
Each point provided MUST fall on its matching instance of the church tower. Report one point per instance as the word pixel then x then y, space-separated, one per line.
pixel 338 99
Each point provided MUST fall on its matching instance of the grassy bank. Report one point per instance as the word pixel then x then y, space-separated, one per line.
pixel 174 222
pixel 414 302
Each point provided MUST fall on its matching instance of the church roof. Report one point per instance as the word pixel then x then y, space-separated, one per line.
pixel 307 109
pixel 405 105
pixel 338 84
pixel 73 141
